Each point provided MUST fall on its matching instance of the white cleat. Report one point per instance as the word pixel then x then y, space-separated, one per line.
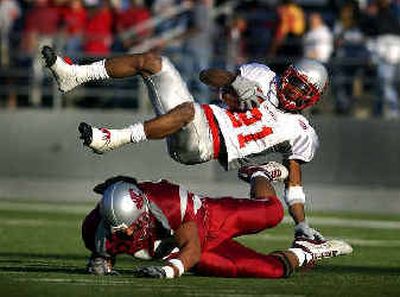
pixel 65 74
pixel 322 250
pixel 102 140
pixel 274 171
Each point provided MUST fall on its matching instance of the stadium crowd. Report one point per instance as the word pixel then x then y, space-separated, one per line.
pixel 359 41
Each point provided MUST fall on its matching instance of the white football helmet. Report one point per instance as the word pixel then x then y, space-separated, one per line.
pixel 302 84
pixel 122 205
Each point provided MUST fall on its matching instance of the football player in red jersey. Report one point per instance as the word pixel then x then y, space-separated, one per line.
pixel 162 220
pixel 258 115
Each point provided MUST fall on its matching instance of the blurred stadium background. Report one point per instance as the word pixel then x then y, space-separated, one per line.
pixel 355 173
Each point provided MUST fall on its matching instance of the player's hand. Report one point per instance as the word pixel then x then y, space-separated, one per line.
pixel 100 266
pixel 303 230
pixel 150 272
pixel 248 92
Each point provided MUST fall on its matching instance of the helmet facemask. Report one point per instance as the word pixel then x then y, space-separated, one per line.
pixel 295 92
pixel 302 85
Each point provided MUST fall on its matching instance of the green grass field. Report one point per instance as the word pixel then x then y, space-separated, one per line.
pixel 41 254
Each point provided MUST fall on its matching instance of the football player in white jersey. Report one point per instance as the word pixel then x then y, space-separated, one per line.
pixel 258 114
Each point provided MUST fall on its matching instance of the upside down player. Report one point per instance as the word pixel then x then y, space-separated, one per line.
pixel 161 220
pixel 258 115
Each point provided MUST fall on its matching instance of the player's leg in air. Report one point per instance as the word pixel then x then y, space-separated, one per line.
pixel 179 119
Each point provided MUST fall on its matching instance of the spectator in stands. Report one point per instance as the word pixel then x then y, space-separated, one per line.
pixel 74 18
pixel 9 13
pixel 351 57
pixel 98 31
pixel 198 46
pixel 318 40
pixel 386 48
pixel 127 22
pixel 289 29
pixel 42 23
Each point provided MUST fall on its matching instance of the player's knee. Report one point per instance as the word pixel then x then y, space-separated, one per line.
pixel 186 111
pixel 151 63
pixel 274 212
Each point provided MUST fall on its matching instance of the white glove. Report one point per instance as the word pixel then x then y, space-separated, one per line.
pixel 248 92
pixel 303 230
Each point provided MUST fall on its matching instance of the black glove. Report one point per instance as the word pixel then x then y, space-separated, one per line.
pixel 100 266
pixel 150 272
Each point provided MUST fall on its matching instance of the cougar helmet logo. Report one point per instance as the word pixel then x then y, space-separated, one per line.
pixel 137 199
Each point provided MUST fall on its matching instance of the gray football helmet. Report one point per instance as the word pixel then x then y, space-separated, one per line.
pixel 122 205
pixel 302 84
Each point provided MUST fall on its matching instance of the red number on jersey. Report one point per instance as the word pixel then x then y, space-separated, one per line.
pixel 248 119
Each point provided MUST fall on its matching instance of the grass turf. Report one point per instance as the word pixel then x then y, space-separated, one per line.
pixel 41 254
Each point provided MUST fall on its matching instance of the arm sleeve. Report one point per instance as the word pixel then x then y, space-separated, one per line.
pixel 305 146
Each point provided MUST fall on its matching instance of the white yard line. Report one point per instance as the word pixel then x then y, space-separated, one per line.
pixel 352 241
pixel 353 223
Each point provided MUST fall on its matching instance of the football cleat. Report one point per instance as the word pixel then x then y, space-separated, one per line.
pixel 322 250
pixel 102 140
pixel 64 73
pixel 274 171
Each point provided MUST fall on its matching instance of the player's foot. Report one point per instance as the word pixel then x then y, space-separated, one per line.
pixel 102 140
pixel 64 73
pixel 274 171
pixel 321 250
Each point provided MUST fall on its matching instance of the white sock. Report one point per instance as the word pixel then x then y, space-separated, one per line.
pixel 302 256
pixel 137 133
pixel 90 72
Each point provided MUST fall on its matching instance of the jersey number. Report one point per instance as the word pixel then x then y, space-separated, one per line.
pixel 248 119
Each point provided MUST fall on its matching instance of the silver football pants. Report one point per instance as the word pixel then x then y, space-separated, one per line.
pixel 193 144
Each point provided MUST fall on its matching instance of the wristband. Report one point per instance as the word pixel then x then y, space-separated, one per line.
pixel 137 133
pixel 178 265
pixel 294 195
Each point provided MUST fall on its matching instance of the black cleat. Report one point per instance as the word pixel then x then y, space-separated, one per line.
pixel 49 55
pixel 86 133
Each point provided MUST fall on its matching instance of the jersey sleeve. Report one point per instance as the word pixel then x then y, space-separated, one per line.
pixel 305 144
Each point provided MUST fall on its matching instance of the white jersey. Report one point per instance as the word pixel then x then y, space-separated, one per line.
pixel 253 134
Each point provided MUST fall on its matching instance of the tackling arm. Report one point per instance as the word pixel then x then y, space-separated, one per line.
pixel 187 239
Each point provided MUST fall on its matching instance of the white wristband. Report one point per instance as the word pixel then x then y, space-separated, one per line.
pixel 137 132
pixel 169 271
pixel 294 195
pixel 178 264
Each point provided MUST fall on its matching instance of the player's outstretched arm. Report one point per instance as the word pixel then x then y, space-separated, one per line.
pixel 295 200
pixel 187 239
